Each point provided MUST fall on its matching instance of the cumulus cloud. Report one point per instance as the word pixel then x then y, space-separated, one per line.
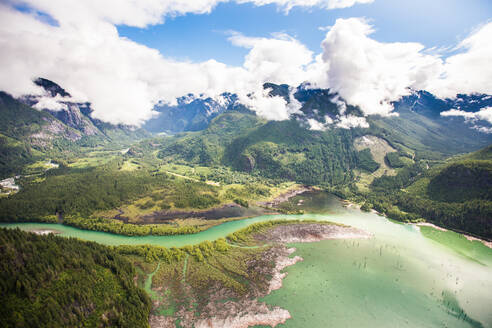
pixel 51 103
pixel 475 118
pixel 372 74
pixel 352 121
pixel 281 59
pixel 469 71
pixel 340 121
pixel 484 114
pixel 319 126
pixel 123 79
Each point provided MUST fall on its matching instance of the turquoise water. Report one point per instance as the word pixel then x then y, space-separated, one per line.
pixel 165 241
pixel 398 278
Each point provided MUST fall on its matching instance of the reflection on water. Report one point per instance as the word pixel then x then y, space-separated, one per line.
pixel 399 278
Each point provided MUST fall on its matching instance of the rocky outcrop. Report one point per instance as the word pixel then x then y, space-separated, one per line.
pixel 73 117
pixel 50 131
pixel 61 105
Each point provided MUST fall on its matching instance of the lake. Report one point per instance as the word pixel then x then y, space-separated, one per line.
pixel 403 277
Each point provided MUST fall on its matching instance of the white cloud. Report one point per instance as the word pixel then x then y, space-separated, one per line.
pixel 128 12
pixel 51 103
pixel 474 118
pixel 281 59
pixel 484 114
pixel 368 73
pixel 271 108
pixel 469 71
pixel 340 121
pixel 319 126
pixel 123 79
pixel 483 129
pixel 287 5
pixel 351 121
pixel 372 74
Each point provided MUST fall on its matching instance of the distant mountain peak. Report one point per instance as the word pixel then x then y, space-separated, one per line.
pixel 77 115
pixel 51 87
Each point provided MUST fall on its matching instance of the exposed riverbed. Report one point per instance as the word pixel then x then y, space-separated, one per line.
pixel 400 277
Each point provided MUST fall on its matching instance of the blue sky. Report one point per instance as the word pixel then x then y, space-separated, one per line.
pixel 439 23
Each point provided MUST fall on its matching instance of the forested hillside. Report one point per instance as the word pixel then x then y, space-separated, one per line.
pixel 274 149
pixel 49 281
pixel 455 194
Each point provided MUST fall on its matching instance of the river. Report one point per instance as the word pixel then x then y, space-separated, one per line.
pixel 403 277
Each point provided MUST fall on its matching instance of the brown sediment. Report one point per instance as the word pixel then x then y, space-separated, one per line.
pixel 225 309
pixel 162 321
pixel 427 224
pixel 486 243
pixel 231 211
pixel 311 232
pixel 257 314
pixel 227 211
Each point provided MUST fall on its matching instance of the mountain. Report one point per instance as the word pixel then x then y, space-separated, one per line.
pixel 67 111
pixel 418 126
pixel 421 127
pixel 20 121
pixel 26 133
pixel 245 142
pixel 29 132
pixel 396 163
pixel 463 178
pixel 78 115
pixel 191 113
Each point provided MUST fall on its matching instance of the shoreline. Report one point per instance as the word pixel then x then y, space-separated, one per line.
pixel 468 237
pixel 225 309
pixel 348 204
pixel 253 312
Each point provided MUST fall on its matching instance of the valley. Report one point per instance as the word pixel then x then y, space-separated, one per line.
pixel 245 164
pixel 237 221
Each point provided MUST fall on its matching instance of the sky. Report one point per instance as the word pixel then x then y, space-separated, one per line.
pixel 124 56
pixel 434 23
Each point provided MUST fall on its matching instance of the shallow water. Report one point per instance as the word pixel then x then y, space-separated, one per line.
pixel 399 278
pixel 166 241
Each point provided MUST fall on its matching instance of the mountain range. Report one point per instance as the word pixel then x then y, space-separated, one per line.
pixel 402 165
pixel 33 125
